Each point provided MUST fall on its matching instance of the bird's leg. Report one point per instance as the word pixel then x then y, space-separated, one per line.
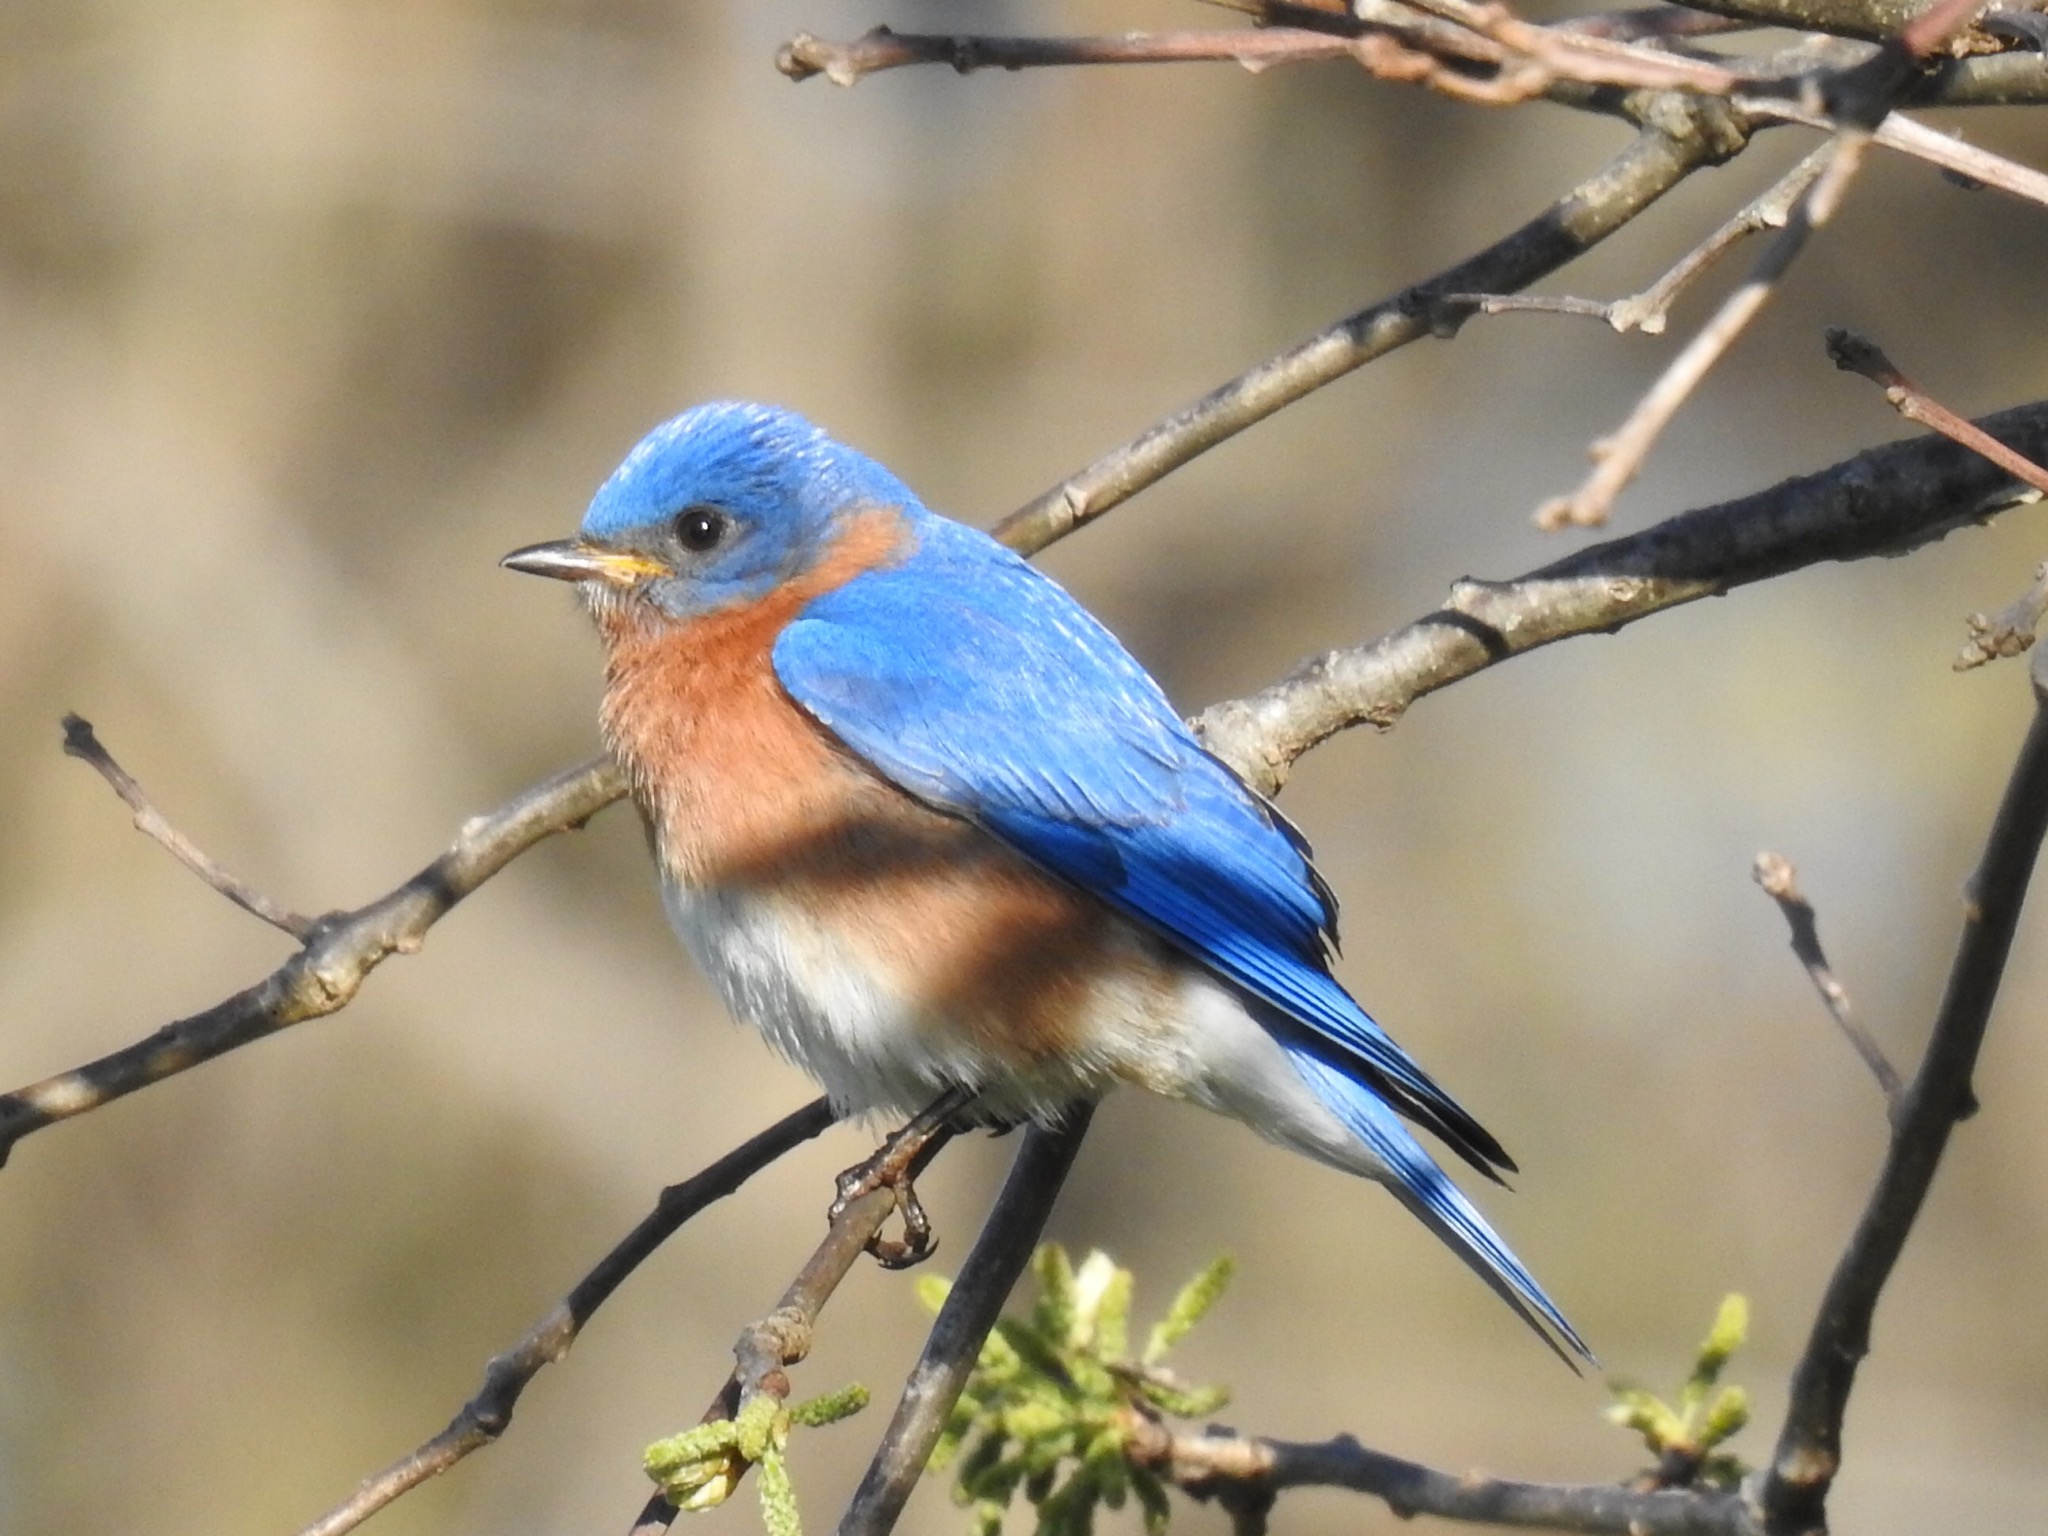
pixel 894 1165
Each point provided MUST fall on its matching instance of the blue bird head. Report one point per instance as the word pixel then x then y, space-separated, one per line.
pixel 715 507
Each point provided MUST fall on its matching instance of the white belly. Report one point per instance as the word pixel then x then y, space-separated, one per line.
pixel 868 1042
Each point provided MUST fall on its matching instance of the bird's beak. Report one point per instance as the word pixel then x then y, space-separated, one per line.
pixel 576 560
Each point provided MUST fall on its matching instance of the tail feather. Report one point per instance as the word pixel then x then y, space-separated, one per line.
pixel 1421 1186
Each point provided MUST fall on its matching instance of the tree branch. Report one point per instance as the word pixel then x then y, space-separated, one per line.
pixel 1618 457
pixel 341 951
pixel 1225 1466
pixel 1885 501
pixel 488 1415
pixel 1656 160
pixel 1809 1451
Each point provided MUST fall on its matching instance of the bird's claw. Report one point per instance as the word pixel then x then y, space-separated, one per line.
pixel 893 1167
pixel 888 1170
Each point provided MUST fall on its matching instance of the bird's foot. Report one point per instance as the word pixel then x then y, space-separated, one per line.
pixel 894 1167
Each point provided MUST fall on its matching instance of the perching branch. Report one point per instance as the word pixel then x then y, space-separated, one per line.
pixel 767 1346
pixel 971 1309
pixel 81 743
pixel 1809 1450
pixel 488 1415
pixel 1780 881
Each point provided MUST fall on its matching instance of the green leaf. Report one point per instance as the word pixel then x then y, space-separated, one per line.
pixel 1053 1317
pixel 1731 1328
pixel 1152 1499
pixel 778 1496
pixel 1726 1418
pixel 1188 1308
pixel 831 1407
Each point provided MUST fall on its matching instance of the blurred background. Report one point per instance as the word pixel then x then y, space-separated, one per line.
pixel 310 309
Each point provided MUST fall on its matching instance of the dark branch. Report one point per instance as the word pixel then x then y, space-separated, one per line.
pixel 977 1297
pixel 1652 164
pixel 1885 501
pixel 81 743
pixel 489 1414
pixel 1229 1467
pixel 1809 1450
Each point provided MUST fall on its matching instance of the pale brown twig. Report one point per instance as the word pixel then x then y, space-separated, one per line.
pixel 1618 458
pixel 1651 165
pixel 1484 37
pixel 1780 881
pixel 1648 310
pixel 1859 355
pixel 1809 1450
pixel 488 1415
pixel 2008 632
pixel 81 743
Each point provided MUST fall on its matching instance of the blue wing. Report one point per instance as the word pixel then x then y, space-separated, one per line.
pixel 975 683
pixel 981 687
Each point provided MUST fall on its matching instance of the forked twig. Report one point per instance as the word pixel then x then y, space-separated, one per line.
pixel 339 954
pixel 81 743
pixel 1648 310
pixel 1780 881
pixel 2009 631
pixel 1618 457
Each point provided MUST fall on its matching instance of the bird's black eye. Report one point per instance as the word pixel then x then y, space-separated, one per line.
pixel 700 528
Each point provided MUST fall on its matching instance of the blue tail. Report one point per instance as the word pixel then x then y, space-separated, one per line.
pixel 1439 1204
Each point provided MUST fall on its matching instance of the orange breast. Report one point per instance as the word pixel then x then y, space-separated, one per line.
pixel 744 791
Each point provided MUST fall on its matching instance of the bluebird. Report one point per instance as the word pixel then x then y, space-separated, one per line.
pixel 934 833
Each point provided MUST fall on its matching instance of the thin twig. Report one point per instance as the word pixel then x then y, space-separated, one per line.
pixel 970 1311
pixel 1780 881
pixel 1884 501
pixel 1977 166
pixel 488 1415
pixel 81 743
pixel 1513 50
pixel 1648 310
pixel 1859 355
pixel 2009 631
pixel 1222 1465
pixel 1651 165
pixel 1809 1450
pixel 342 950
pixel 767 1346
pixel 1618 458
